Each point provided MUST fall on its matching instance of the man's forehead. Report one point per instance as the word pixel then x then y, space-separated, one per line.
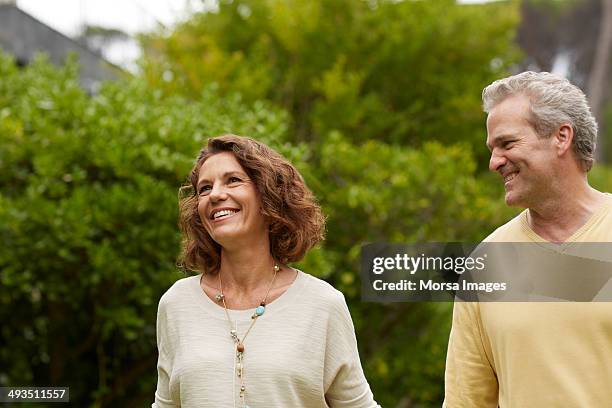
pixel 509 104
pixel 512 107
pixel 508 117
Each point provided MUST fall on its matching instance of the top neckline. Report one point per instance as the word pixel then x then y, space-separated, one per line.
pixel 597 214
pixel 218 311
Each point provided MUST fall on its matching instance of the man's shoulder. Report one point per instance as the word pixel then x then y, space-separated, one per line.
pixel 512 231
pixel 608 198
pixel 600 229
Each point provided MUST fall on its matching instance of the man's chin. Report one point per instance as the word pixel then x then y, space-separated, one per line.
pixel 513 199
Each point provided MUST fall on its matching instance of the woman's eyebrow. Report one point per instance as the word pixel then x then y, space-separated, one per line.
pixel 224 175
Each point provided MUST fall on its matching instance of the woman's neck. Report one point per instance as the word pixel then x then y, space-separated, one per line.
pixel 246 273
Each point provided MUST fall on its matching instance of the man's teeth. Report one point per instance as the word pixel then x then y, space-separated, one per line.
pixel 509 177
pixel 223 213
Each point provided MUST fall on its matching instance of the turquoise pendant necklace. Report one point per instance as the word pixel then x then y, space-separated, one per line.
pixel 238 342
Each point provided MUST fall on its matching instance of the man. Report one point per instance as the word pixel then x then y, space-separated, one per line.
pixel 542 136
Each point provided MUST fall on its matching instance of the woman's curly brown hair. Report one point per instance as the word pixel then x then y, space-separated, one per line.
pixel 296 220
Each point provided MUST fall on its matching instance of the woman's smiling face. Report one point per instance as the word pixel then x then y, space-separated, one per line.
pixel 228 202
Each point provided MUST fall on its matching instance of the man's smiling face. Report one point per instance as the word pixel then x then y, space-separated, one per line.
pixel 523 159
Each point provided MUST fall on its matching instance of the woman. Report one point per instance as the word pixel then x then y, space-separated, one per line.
pixel 249 331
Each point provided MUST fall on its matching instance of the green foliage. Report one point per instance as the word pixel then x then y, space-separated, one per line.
pixel 387 96
pixel 402 72
pixel 88 214
pixel 386 193
pixel 600 177
pixel 376 102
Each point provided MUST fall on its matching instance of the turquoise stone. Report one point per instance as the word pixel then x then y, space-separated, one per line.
pixel 260 310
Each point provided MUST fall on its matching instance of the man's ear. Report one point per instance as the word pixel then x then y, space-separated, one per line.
pixel 564 137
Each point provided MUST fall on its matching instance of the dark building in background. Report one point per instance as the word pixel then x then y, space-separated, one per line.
pixel 23 36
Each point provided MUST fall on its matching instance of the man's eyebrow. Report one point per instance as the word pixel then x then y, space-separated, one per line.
pixel 491 143
pixel 497 139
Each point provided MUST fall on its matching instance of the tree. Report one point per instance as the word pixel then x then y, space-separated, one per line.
pixel 601 67
pixel 575 36
pixel 399 72
pixel 377 103
pixel 88 223
pixel 88 214
pixel 368 86
pixel 98 38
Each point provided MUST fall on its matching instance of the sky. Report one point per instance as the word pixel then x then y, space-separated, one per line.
pixel 131 16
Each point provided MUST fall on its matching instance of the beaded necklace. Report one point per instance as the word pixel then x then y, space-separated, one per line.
pixel 238 342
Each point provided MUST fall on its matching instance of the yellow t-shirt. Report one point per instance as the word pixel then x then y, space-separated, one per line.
pixel 533 355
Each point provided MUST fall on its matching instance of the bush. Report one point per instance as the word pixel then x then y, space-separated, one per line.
pixel 88 214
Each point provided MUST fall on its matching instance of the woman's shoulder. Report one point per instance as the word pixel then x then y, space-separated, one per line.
pixel 325 302
pixel 181 291
pixel 321 291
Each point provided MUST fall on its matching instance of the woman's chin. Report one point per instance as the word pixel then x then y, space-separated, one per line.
pixel 230 238
pixel 236 236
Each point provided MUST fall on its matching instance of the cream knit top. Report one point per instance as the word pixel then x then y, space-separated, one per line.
pixel 301 353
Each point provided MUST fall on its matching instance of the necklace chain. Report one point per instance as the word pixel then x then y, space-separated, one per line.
pixel 238 342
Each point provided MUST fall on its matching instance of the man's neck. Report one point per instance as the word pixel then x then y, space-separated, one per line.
pixel 558 218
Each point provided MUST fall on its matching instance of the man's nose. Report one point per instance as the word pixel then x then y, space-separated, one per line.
pixel 497 160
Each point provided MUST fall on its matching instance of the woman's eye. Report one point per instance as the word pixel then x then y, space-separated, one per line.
pixel 204 190
pixel 234 180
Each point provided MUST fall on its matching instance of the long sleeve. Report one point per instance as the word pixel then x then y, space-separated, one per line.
pixel 163 398
pixel 470 379
pixel 344 379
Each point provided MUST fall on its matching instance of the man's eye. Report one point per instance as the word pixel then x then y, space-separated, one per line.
pixel 507 144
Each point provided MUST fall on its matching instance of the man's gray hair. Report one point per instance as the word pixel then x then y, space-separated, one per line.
pixel 554 100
